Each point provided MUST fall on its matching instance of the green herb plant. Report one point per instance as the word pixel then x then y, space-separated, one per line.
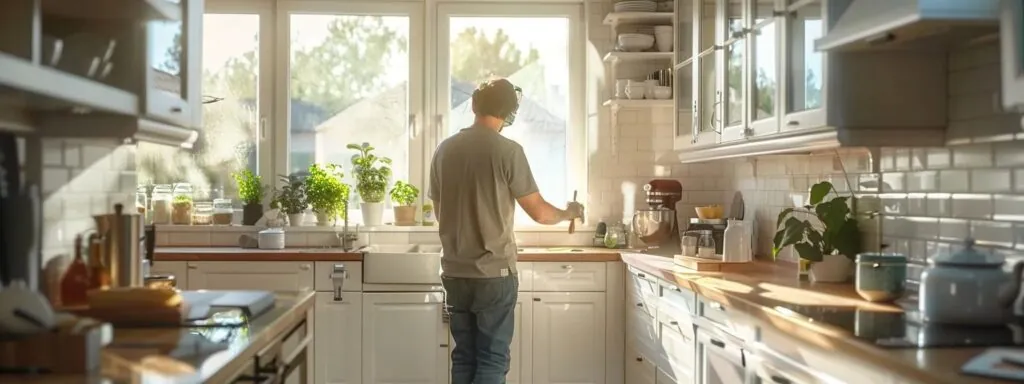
pixel 250 187
pixel 819 228
pixel 372 173
pixel 181 199
pixel 291 198
pixel 404 194
pixel 325 191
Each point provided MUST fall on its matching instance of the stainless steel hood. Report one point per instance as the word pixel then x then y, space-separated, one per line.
pixel 866 24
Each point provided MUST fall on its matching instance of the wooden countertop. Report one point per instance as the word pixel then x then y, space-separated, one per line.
pixel 169 355
pixel 767 293
pixel 529 254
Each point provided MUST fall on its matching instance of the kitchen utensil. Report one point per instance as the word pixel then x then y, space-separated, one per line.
pixel 881 277
pixel 24 311
pixel 710 212
pixel 737 242
pixel 968 287
pixel 271 238
pixel 661 92
pixel 572 222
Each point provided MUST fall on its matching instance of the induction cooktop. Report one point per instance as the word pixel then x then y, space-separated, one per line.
pixel 906 329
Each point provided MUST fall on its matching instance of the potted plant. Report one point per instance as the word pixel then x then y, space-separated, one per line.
pixel 326 193
pixel 372 174
pixel 181 210
pixel 403 196
pixel 251 191
pixel 824 233
pixel 291 199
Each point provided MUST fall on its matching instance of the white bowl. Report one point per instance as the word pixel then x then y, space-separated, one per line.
pixel 635 92
pixel 662 92
pixel 635 42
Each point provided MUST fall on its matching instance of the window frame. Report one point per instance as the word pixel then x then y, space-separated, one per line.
pixel 577 153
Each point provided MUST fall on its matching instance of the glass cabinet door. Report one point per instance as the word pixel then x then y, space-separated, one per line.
pixel 707 92
pixel 763 70
pixel 734 82
pixel 805 68
pixel 1012 50
pixel 173 57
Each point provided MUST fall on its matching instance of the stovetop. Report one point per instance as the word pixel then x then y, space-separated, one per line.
pixel 906 330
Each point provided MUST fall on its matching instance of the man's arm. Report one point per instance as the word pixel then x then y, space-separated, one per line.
pixel 541 211
pixel 437 210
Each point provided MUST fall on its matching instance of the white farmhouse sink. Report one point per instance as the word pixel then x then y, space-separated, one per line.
pixel 403 264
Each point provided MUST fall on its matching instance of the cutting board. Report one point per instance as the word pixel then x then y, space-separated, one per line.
pixel 711 265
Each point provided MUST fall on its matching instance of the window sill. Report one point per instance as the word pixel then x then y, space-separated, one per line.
pixel 163 228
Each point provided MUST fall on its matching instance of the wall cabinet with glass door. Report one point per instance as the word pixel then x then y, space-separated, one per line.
pixel 699 116
pixel 1012 49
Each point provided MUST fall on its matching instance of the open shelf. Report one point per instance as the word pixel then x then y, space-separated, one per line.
pixel 612 57
pixel 131 10
pixel 614 19
pixel 646 103
pixel 55 88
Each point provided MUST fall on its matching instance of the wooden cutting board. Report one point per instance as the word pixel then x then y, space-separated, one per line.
pixel 711 265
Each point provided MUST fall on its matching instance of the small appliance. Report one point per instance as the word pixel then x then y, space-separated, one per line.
pixel 656 226
pixel 716 226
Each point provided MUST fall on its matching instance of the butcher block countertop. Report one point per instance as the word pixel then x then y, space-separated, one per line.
pixel 559 254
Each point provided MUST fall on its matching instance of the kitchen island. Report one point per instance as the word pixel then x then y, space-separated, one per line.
pixel 231 347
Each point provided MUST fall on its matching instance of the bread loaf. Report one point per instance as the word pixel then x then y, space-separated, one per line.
pixel 138 297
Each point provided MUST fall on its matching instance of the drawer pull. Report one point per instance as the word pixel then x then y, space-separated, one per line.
pixel 640 358
pixel 444 345
pixel 677 289
pixel 716 305
pixel 536 299
pixel 567 267
pixel 642 276
pixel 304 267
pixel 717 343
pixel 673 322
pixel 780 380
pixel 641 305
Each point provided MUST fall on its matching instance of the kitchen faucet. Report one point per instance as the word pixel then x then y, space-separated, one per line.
pixel 345 239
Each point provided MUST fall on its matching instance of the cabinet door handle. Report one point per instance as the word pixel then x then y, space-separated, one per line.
pixel 640 305
pixel 567 267
pixel 193 266
pixel 793 123
pixel 673 322
pixel 717 343
pixel 304 267
pixel 642 276
pixel 444 345
pixel 639 358
pixel 716 305
pixel 780 380
pixel 263 127
pixel 438 129
pixel 176 109
pixel 536 299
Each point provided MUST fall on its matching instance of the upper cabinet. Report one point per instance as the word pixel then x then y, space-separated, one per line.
pixel 105 68
pixel 1012 49
pixel 785 76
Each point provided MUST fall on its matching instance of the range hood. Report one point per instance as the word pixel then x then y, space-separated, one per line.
pixel 867 24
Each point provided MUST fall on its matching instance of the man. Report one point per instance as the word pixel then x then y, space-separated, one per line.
pixel 476 177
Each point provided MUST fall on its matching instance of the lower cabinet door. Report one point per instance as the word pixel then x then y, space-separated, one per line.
pixel 568 337
pixel 639 369
pixel 338 339
pixel 720 360
pixel 521 367
pixel 405 338
pixel 664 378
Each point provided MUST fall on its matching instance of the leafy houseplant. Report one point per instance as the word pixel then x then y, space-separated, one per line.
pixel 372 174
pixel 181 210
pixel 326 193
pixel 251 191
pixel 825 233
pixel 404 196
pixel 291 198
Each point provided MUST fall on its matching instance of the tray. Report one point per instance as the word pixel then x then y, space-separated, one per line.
pixel 711 265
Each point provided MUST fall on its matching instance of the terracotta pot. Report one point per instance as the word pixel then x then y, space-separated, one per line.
pixel 251 213
pixel 405 215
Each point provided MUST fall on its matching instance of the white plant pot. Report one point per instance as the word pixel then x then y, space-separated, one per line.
pixel 296 219
pixel 324 220
pixel 373 214
pixel 831 269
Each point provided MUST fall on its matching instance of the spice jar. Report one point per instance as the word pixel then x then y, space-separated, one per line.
pixel 202 213
pixel 181 206
pixel 161 203
pixel 223 212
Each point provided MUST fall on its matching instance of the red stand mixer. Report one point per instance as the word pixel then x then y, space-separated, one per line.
pixel 656 227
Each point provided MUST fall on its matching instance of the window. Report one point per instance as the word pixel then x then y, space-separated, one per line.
pixel 231 110
pixel 357 71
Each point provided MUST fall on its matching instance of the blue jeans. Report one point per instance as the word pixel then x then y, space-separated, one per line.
pixel 482 323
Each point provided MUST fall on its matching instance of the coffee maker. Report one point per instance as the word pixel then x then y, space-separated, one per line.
pixel 656 227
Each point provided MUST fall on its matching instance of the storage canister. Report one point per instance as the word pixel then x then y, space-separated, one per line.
pixel 881 277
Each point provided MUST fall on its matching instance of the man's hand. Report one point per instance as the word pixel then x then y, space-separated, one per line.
pixel 575 211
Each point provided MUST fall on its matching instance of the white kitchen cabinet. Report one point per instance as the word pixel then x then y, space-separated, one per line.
pixel 521 367
pixel 639 368
pixel 804 68
pixel 255 275
pixel 719 359
pixel 338 340
pixel 173 59
pixel 569 337
pixel 405 338
pixel 1011 37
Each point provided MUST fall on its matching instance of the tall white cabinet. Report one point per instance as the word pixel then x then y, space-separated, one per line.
pixel 405 338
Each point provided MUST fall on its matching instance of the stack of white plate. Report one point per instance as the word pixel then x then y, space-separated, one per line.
pixel 636 6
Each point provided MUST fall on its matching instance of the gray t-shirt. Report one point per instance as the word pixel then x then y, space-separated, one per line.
pixel 476 177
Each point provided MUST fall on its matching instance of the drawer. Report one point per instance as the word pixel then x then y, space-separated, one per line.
pixel 714 311
pixel 250 275
pixel 681 299
pixel 679 352
pixel 323 270
pixel 642 330
pixel 637 297
pixel 569 277
pixel 680 321
pixel 734 322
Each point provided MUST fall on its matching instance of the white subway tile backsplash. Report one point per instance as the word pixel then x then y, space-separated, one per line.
pixel 992 233
pixel 953 229
pixel 1009 154
pixel 923 181
pixel 972 156
pixel 939 205
pixel 990 180
pixel 954 181
pixel 937 158
pixel 976 206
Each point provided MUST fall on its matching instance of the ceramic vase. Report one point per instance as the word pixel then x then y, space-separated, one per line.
pixel 831 269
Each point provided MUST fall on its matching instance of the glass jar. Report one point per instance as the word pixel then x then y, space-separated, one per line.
pixel 706 245
pixel 181 205
pixel 688 244
pixel 161 203
pixel 615 236
pixel 881 277
pixel 223 212
pixel 202 213
pixel 141 201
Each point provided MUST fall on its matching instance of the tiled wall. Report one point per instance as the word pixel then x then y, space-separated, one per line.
pixel 81 178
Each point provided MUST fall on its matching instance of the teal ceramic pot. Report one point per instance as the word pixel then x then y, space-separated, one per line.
pixel 881 277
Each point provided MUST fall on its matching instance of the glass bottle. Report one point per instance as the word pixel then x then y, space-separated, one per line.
pixel 223 212
pixel 99 275
pixel 161 203
pixel 181 213
pixel 75 283
pixel 615 236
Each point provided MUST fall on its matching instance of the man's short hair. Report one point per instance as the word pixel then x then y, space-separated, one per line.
pixel 498 98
